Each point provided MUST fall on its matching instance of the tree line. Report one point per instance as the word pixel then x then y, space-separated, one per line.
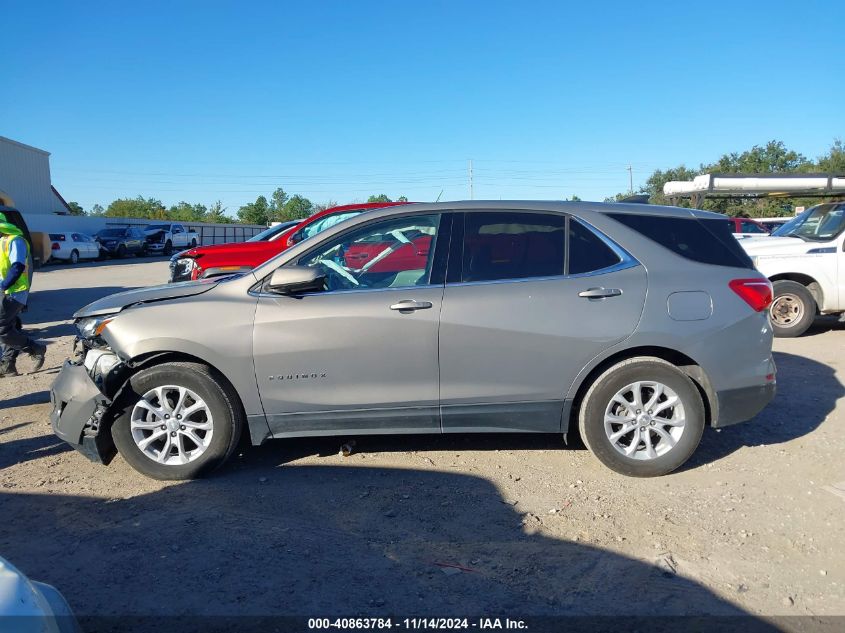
pixel 771 158
pixel 279 207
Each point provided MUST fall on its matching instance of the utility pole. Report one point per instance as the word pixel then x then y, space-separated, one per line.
pixel 470 180
pixel 630 179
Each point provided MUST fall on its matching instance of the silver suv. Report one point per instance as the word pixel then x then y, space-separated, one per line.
pixel 639 325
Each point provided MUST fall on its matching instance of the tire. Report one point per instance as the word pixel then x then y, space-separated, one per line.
pixel 793 309
pixel 168 248
pixel 666 457
pixel 193 243
pixel 222 415
pixel 74 256
pixel 121 251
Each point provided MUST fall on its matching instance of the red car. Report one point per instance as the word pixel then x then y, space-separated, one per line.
pixel 746 227
pixel 224 259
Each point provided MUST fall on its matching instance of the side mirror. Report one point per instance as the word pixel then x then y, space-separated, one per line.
pixel 296 237
pixel 294 280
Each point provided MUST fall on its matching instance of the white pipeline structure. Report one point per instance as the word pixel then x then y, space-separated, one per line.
pixel 755 185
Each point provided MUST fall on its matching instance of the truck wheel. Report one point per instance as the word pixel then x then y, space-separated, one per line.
pixel 177 421
pixel 793 309
pixel 193 243
pixel 168 248
pixel 643 417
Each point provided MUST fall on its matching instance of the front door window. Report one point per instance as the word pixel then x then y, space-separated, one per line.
pixel 394 253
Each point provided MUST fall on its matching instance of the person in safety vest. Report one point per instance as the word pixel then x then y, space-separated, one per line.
pixel 14 291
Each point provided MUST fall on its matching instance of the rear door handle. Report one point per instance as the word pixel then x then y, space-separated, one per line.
pixel 600 293
pixel 408 305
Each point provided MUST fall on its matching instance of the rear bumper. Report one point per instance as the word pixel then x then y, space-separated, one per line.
pixel 78 410
pixel 740 405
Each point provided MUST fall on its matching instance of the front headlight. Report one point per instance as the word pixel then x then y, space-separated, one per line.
pixel 92 327
pixel 186 264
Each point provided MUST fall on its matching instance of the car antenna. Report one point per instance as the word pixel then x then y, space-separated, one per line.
pixel 438 196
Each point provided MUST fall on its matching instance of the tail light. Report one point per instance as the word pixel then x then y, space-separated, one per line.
pixel 755 292
pixel 55 246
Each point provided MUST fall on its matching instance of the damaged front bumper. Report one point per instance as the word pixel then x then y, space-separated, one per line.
pixel 80 403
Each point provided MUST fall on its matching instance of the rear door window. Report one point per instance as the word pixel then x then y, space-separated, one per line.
pixel 513 245
pixel 587 251
pixel 57 237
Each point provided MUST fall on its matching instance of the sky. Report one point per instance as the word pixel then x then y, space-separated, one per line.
pixel 206 101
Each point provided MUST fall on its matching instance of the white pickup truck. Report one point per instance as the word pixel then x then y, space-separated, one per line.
pixel 163 238
pixel 805 261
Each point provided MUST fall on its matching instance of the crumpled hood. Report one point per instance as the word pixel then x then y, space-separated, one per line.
pixel 117 302
pixel 777 245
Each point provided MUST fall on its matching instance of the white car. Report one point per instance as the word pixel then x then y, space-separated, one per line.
pixel 26 605
pixel 73 246
pixel 805 261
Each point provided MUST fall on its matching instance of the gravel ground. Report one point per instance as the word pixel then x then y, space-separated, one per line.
pixel 436 525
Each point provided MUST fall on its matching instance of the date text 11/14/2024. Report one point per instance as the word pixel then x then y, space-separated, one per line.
pixel 434 624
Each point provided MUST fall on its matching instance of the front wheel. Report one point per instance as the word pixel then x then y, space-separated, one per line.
pixel 643 417
pixel 177 421
pixel 168 248
pixel 121 251
pixel 793 309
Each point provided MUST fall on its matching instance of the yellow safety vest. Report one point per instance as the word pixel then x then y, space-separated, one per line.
pixel 22 283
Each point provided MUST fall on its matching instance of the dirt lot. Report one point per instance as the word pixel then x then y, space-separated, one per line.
pixel 436 525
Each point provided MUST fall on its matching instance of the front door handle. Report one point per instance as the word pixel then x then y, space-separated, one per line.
pixel 600 293
pixel 409 305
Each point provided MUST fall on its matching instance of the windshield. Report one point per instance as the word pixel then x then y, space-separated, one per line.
pixel 821 223
pixel 111 233
pixel 327 222
pixel 268 234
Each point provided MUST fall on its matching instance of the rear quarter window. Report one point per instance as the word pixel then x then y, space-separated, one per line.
pixel 57 237
pixel 707 241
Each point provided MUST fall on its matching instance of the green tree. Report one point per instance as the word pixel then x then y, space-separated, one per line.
pixel 97 210
pixel 382 197
pixel 278 199
pixel 257 212
pixel 770 158
pixel 187 212
pixel 323 206
pixel 75 208
pixel 402 199
pixel 217 214
pixel 139 207
pixel 297 208
pixel 834 161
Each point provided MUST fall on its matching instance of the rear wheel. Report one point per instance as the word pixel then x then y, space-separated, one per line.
pixel 793 309
pixel 193 243
pixel 177 421
pixel 643 417
pixel 74 256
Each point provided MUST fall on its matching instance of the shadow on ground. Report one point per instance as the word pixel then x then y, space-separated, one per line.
pixel 28 449
pixel 324 541
pixel 807 392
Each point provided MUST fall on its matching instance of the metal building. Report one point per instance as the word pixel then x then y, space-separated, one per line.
pixel 25 179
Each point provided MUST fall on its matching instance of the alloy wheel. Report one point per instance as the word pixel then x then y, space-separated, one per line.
pixel 644 420
pixel 171 425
